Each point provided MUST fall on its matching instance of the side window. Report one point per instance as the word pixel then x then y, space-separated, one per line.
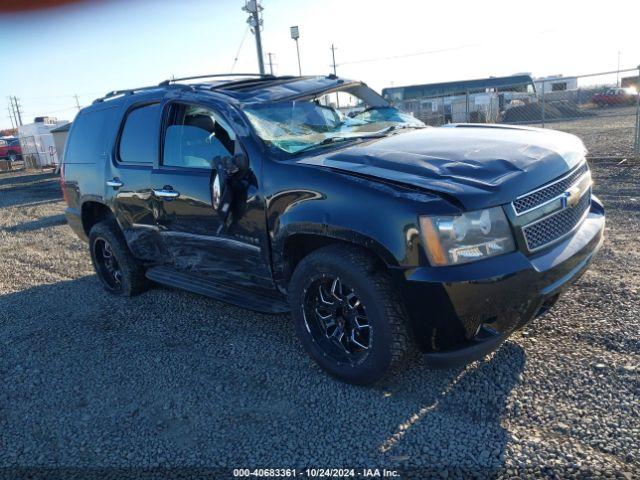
pixel 139 139
pixel 196 137
pixel 86 138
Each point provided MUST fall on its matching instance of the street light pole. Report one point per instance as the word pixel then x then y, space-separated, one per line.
pixel 254 8
pixel 270 55
pixel 295 34
pixel 333 56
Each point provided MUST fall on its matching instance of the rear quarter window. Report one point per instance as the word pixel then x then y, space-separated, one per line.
pixel 87 138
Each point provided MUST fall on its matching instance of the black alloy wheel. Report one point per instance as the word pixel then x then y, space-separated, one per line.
pixel 118 270
pixel 348 315
pixel 337 320
pixel 107 264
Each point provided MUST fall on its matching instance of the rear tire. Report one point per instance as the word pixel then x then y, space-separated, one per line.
pixel 322 310
pixel 118 270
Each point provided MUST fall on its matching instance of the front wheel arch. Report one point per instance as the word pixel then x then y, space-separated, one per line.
pixel 299 245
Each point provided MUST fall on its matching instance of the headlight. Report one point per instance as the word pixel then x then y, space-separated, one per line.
pixel 452 240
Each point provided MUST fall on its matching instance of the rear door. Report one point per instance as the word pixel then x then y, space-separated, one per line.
pixel 195 141
pixel 128 181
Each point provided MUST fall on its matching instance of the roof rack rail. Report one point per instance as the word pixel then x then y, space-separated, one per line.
pixel 127 91
pixel 214 75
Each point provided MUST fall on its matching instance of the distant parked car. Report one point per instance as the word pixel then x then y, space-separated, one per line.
pixel 616 96
pixel 10 149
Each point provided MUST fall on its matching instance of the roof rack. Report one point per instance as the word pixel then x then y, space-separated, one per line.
pixel 128 91
pixel 213 75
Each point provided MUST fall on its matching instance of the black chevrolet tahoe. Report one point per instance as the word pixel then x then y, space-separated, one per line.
pixel 313 195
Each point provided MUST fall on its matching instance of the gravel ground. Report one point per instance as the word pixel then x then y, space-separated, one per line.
pixel 173 381
pixel 609 134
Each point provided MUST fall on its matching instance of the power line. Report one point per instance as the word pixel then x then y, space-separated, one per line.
pixel 431 52
pixel 408 55
pixel 235 59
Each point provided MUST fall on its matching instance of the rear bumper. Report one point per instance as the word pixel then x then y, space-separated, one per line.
pixel 460 314
pixel 74 219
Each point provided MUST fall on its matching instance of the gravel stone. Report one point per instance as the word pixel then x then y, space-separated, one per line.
pixel 172 380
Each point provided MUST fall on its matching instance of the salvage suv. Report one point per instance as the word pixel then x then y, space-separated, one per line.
pixel 313 195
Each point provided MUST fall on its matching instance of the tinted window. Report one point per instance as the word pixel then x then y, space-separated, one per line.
pixel 87 137
pixel 139 140
pixel 196 137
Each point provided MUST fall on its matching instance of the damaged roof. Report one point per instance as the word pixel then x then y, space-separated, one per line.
pixel 247 88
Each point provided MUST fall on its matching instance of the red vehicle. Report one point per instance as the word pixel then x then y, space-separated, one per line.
pixel 10 149
pixel 615 97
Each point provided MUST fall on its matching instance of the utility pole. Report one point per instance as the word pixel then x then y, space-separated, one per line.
pixel 295 34
pixel 270 55
pixel 618 71
pixel 12 112
pixel 16 112
pixel 254 8
pixel 77 101
pixel 333 56
pixel 13 125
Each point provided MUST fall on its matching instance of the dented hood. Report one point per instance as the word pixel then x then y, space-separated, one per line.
pixel 481 166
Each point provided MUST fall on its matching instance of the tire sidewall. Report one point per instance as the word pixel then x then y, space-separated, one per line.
pixel 104 231
pixel 379 358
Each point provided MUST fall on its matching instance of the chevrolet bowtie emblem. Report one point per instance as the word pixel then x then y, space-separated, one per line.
pixel 571 197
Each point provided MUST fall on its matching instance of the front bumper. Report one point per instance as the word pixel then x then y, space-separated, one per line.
pixel 462 313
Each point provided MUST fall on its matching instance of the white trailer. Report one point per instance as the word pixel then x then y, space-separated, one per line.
pixel 37 142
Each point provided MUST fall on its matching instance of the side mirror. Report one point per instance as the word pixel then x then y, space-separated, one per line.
pixel 229 166
pixel 240 162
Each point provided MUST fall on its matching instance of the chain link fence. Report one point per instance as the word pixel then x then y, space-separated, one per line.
pixel 601 108
pixel 32 152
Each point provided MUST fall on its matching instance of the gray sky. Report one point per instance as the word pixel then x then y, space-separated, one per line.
pixel 96 47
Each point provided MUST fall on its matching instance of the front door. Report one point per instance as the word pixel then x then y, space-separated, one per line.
pixel 196 237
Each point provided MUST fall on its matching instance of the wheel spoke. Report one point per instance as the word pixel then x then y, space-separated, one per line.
pixel 358 322
pixel 336 289
pixel 356 342
pixel 323 296
pixel 327 321
pixel 338 336
pixel 353 302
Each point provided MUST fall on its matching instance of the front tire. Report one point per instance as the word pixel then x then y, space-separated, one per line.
pixel 118 270
pixel 347 314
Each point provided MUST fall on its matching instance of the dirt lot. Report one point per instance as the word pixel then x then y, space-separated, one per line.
pixel 609 133
pixel 172 381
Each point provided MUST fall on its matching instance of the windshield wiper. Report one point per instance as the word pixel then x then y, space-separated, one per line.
pixel 326 141
pixel 390 128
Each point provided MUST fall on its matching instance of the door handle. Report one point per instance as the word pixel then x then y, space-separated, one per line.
pixel 115 183
pixel 166 193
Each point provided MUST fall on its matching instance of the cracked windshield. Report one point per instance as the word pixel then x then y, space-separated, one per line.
pixel 298 125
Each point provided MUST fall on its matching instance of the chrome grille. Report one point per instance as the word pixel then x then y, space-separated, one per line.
pixel 546 193
pixel 555 226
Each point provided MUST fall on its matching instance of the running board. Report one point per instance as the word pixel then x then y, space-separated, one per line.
pixel 252 298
